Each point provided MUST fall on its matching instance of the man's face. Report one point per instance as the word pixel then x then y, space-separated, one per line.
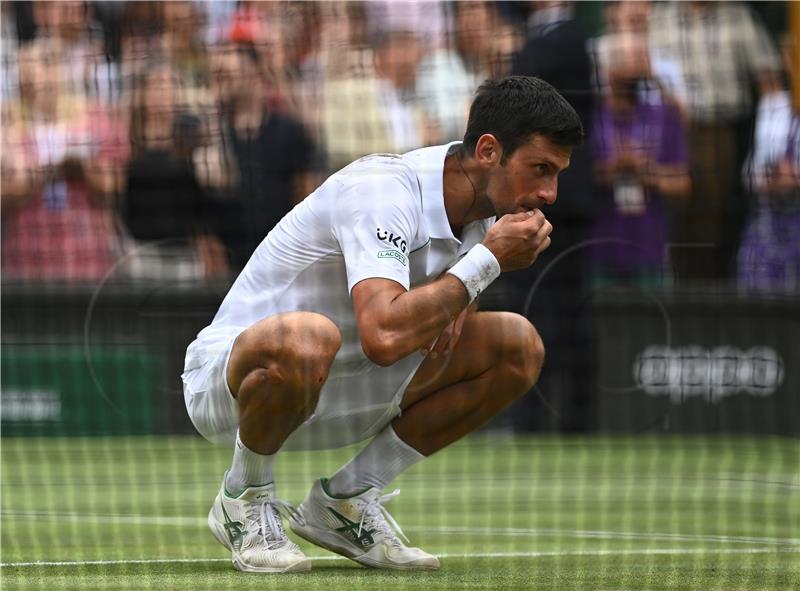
pixel 222 68
pixel 399 57
pixel 233 76
pixel 628 61
pixel 474 27
pixel 528 179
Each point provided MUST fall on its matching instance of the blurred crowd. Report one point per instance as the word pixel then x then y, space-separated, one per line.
pixel 163 140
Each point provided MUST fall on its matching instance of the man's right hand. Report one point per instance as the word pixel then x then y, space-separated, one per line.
pixel 517 239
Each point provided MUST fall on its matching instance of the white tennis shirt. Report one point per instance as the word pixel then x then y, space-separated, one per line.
pixel 382 216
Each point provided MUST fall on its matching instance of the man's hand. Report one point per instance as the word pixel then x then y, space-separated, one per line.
pixel 517 239
pixel 782 177
pixel 631 162
pixel 446 342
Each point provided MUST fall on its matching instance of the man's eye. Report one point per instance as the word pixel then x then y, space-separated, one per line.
pixel 541 168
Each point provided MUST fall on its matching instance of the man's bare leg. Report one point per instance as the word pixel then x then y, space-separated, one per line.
pixel 497 359
pixel 276 371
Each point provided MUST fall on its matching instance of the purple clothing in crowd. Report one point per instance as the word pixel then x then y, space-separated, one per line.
pixel 769 256
pixel 625 243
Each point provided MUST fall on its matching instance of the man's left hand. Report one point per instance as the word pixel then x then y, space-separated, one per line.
pixel 446 342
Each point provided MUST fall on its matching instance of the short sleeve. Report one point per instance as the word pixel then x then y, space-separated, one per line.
pixel 376 217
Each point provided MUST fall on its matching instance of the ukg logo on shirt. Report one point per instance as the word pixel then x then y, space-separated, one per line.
pixel 391 238
pixel 714 373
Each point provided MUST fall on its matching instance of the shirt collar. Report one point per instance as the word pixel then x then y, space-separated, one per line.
pixel 428 163
pixel 546 17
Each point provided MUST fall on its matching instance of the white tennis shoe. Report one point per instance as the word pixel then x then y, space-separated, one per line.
pixel 358 527
pixel 250 526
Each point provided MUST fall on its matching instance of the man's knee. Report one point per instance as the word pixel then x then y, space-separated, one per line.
pixel 306 351
pixel 294 352
pixel 523 353
pixel 269 386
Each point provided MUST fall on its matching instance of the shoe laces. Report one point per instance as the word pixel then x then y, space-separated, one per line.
pixel 375 514
pixel 267 517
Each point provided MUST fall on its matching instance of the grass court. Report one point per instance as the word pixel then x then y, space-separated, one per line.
pixel 502 512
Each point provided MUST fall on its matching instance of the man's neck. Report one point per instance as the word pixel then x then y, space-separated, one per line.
pixel 549 15
pixel 464 191
pixel 249 112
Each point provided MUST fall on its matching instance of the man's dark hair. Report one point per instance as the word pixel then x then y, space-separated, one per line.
pixel 514 108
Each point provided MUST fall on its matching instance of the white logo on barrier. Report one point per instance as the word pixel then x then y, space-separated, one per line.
pixel 30 405
pixel 683 372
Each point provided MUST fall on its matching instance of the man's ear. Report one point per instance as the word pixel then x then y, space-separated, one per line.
pixel 488 151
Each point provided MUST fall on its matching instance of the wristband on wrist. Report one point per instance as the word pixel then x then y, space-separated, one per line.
pixel 476 270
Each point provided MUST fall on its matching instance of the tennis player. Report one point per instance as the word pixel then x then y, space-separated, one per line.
pixel 356 319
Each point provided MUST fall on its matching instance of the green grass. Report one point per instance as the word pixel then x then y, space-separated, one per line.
pixel 504 513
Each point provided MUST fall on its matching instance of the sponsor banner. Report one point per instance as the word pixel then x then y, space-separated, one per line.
pixel 712 373
pixel 696 363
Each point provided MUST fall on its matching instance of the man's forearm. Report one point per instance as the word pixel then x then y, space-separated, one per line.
pixel 413 319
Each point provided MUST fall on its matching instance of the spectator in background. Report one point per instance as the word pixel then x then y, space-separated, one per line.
pixel 62 163
pixel 373 107
pixel 15 15
pixel 555 51
pixel 447 76
pixel 141 39
pixel 350 121
pixel 425 18
pixel 640 160
pixel 262 25
pixel 273 159
pixel 632 17
pixel 184 46
pixel 332 46
pixel 286 37
pixel 344 42
pixel 721 52
pixel 165 209
pixel 397 56
pixel 216 17
pixel 769 257
pixel 68 31
pixel 304 69
pixel 171 32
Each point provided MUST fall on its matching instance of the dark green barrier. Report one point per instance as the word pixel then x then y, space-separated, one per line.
pixel 99 359
pixel 66 389
pixel 668 361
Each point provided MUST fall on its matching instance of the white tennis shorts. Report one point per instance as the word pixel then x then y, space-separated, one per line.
pixel 351 408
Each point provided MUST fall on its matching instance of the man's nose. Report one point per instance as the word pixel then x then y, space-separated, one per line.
pixel 548 191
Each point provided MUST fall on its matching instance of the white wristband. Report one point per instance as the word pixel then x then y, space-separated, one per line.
pixel 476 270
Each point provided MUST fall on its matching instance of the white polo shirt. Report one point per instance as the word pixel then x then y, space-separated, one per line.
pixel 381 216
